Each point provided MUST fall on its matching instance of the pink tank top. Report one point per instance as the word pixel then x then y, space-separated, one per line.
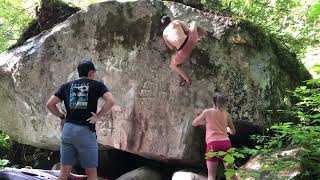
pixel 216 125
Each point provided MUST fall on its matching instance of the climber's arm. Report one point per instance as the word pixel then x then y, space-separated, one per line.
pixel 184 27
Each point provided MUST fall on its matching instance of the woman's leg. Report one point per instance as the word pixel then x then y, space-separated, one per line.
pixel 212 169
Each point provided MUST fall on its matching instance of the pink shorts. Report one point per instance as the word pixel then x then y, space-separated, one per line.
pixel 215 146
pixel 183 54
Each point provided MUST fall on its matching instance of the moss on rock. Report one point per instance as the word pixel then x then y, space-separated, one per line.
pixel 77 26
pixel 130 32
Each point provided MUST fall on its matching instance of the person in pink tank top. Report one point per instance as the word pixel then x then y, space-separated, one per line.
pixel 177 35
pixel 218 124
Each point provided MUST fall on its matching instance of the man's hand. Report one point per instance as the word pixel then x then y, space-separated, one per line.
pixel 94 118
pixel 62 119
pixel 61 124
pixel 109 102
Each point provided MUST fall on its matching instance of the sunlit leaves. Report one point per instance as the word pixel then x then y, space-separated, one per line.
pixel 229 159
pixel 315 9
pixel 3 163
pixel 4 141
pixel 316 68
pixel 294 22
pixel 13 17
pixel 229 173
pixel 4 145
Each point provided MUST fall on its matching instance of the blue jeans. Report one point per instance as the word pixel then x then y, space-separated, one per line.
pixel 79 141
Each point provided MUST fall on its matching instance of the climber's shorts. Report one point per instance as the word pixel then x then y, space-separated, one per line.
pixel 77 140
pixel 215 146
pixel 185 52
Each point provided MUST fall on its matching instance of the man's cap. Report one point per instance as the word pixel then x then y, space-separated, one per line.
pixel 86 65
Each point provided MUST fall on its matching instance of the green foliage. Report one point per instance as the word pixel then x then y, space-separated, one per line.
pixel 293 22
pixel 316 69
pixel 302 132
pixel 4 146
pixel 315 11
pixel 4 141
pixel 13 18
pixel 3 163
pixel 229 158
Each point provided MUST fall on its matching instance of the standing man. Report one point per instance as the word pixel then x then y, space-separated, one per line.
pixel 178 36
pixel 78 126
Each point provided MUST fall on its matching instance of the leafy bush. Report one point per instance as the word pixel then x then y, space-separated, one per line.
pixel 4 147
pixel 3 163
pixel 13 19
pixel 294 22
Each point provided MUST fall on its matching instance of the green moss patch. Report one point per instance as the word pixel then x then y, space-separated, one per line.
pixel 133 31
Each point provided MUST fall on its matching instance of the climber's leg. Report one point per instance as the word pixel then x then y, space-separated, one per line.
pixel 176 62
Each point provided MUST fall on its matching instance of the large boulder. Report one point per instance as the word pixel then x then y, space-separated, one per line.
pixel 142 173
pixel 185 175
pixel 152 116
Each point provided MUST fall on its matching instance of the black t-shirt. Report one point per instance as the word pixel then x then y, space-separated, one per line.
pixel 80 99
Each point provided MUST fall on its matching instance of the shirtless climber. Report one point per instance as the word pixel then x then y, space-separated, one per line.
pixel 177 35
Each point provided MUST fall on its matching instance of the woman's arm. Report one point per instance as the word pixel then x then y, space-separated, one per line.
pixel 200 120
pixel 230 128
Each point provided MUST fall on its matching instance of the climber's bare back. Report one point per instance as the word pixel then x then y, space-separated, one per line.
pixel 175 33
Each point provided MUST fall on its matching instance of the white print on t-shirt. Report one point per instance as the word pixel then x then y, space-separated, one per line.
pixel 79 96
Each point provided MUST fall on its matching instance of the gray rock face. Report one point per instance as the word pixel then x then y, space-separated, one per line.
pixel 152 116
pixel 142 173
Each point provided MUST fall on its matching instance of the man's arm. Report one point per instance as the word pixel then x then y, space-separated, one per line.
pixel 109 102
pixel 231 129
pixel 200 120
pixel 52 107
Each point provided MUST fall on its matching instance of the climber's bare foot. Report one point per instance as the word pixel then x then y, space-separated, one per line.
pixel 184 82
